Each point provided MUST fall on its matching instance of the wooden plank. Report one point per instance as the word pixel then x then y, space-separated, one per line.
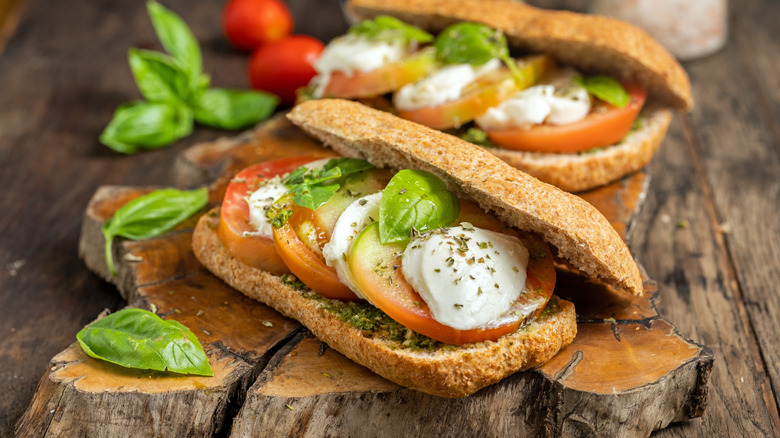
pixel 677 239
pixel 739 148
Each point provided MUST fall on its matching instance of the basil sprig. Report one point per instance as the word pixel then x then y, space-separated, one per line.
pixel 475 44
pixel 151 215
pixel 136 338
pixel 313 187
pixel 415 200
pixel 177 93
pixel 605 88
pixel 390 29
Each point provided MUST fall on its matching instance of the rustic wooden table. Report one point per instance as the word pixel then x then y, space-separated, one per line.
pixel 708 233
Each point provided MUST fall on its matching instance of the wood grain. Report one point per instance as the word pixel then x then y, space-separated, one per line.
pixel 626 359
pixel 64 71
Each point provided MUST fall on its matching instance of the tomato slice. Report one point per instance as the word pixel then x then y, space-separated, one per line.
pixel 604 126
pixel 304 263
pixel 372 265
pixel 255 251
pixel 484 93
pixel 382 80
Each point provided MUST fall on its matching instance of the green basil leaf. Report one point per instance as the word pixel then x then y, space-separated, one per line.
pixel 313 196
pixel 151 215
pixel 138 125
pixel 605 88
pixel 390 29
pixel 415 199
pixel 136 338
pixel 313 187
pixel 470 43
pixel 234 109
pixel 177 39
pixel 158 76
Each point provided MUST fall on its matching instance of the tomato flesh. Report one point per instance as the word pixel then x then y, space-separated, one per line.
pixel 486 92
pixel 307 265
pixel 234 226
pixel 375 269
pixel 604 126
pixel 381 80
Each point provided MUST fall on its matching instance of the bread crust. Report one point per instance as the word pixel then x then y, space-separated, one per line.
pixel 579 232
pixel 580 172
pixel 590 42
pixel 445 372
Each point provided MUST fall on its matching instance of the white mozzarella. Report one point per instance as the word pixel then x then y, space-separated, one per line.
pixel 261 200
pixel 559 102
pixel 355 217
pixel 350 54
pixel 469 277
pixel 444 85
pixel 259 203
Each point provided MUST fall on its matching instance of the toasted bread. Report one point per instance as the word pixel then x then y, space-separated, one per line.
pixel 591 43
pixel 576 229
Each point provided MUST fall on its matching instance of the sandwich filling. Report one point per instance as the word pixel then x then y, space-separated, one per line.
pixel 465 80
pixel 403 243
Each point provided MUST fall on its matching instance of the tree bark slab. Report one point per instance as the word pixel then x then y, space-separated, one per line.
pixel 628 372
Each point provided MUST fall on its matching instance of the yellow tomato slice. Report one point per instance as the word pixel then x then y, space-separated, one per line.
pixel 382 80
pixel 483 94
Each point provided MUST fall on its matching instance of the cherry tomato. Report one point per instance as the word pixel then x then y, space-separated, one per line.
pixel 604 126
pixel 251 23
pixel 305 264
pixel 382 80
pixel 283 66
pixel 484 93
pixel 255 251
pixel 371 264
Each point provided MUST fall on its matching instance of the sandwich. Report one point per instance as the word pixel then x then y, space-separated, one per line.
pixel 576 100
pixel 417 254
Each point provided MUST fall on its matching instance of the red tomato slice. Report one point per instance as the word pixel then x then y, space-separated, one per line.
pixel 382 80
pixel 305 263
pixel 478 97
pixel 604 126
pixel 372 264
pixel 255 251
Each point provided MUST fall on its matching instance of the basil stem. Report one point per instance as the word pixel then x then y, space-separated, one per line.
pixel 136 338
pixel 415 200
pixel 151 215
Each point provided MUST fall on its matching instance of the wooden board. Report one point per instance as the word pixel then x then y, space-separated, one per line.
pixel 628 372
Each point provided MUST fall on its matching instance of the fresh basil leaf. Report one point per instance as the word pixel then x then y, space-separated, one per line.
pixel 415 199
pixel 313 187
pixel 470 43
pixel 144 125
pixel 605 88
pixel 390 29
pixel 158 76
pixel 347 166
pixel 234 109
pixel 151 215
pixel 136 338
pixel 313 196
pixel 177 39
